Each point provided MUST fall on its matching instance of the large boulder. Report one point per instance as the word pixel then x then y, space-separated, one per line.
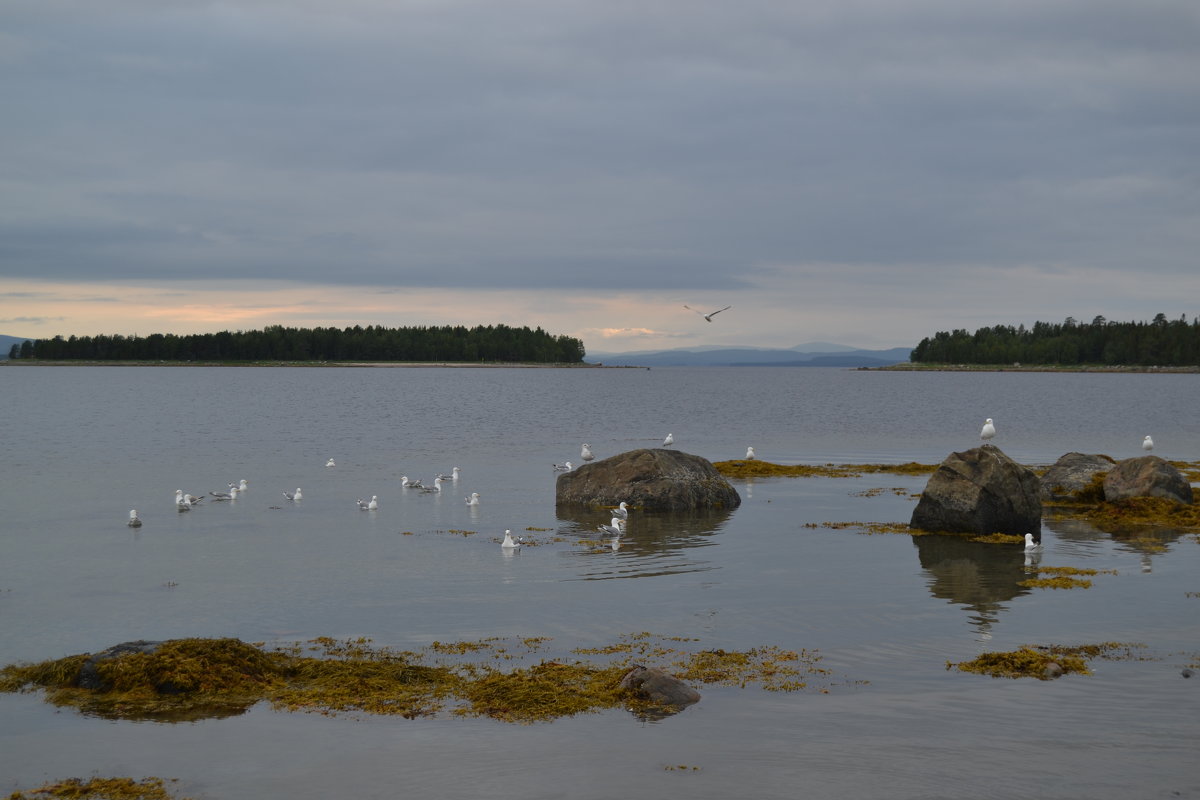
pixel 1146 476
pixel 1072 474
pixel 980 491
pixel 655 480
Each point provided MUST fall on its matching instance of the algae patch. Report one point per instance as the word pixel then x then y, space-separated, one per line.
pixel 765 469
pixel 98 789
pixel 1045 662
pixel 195 678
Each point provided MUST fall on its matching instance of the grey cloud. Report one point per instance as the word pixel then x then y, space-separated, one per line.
pixel 587 145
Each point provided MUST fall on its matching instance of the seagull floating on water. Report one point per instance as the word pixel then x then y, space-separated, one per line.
pixel 621 511
pixel 585 452
pixel 749 453
pixel 989 430
pixel 473 500
pixel 407 484
pixel 134 520
pixel 297 495
pixel 708 317
pixel 670 440
pixel 437 485
pixel 372 505
pixel 243 485
pixel 1030 544
pixel 1147 444
pixel 564 467
pixel 616 527
pixel 453 476
pixel 509 543
pixel 186 499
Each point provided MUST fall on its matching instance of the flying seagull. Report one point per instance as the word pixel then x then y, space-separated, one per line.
pixel 708 317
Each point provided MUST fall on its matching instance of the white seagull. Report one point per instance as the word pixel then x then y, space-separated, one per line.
pixel 564 467
pixel 230 495
pixel 437 485
pixel 1147 444
pixel 186 499
pixel 616 527
pixel 585 452
pixel 297 495
pixel 621 511
pixel 330 463
pixel 708 317
pixel 670 440
pixel 473 500
pixel 373 505
pixel 453 476
pixel 243 485
pixel 1030 544
pixel 407 484
pixel 989 430
pixel 749 453
pixel 134 520
pixel 509 543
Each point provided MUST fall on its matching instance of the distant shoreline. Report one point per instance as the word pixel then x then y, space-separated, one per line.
pixel 33 362
pixel 910 367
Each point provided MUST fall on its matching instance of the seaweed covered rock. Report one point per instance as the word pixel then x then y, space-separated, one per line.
pixel 980 491
pixel 1072 474
pixel 651 479
pixel 1146 476
pixel 660 688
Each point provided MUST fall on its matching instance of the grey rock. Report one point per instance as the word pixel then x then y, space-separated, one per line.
pixel 1072 474
pixel 980 491
pixel 659 687
pixel 1146 476
pixel 648 479
pixel 89 676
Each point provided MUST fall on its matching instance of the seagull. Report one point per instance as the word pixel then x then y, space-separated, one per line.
pixel 621 512
pixel 453 476
pixel 509 543
pixel 989 430
pixel 134 520
pixel 330 463
pixel 243 485
pixel 564 467
pixel 186 499
pixel 373 505
pixel 749 453
pixel 296 496
pixel 1030 544
pixel 473 500
pixel 586 452
pixel 670 440
pixel 437 485
pixel 407 484
pixel 1147 444
pixel 708 317
pixel 230 495
pixel 616 527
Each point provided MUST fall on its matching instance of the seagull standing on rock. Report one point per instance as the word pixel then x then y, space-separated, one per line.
pixel 670 440
pixel 1147 444
pixel 989 430
pixel 586 452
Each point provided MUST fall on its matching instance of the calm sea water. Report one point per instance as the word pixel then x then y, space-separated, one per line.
pixel 83 445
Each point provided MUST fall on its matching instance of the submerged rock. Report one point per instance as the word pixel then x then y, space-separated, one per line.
pixel 650 479
pixel 1072 474
pixel 89 674
pixel 1146 476
pixel 980 491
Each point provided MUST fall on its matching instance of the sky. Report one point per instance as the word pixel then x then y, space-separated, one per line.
pixel 865 172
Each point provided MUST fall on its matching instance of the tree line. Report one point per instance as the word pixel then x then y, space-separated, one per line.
pixel 488 343
pixel 1161 342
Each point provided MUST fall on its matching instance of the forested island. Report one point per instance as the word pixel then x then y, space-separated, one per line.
pixel 1161 342
pixel 481 344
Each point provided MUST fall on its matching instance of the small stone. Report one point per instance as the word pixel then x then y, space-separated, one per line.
pixel 1052 671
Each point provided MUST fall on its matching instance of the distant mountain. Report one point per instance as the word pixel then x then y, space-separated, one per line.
pixel 6 343
pixel 835 356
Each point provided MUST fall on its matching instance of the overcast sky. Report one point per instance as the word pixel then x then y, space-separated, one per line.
pixel 862 172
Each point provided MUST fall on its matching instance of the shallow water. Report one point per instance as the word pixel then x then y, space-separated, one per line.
pixel 885 612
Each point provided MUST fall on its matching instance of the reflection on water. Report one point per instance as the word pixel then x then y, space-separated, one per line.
pixel 658 543
pixel 1081 538
pixel 980 577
